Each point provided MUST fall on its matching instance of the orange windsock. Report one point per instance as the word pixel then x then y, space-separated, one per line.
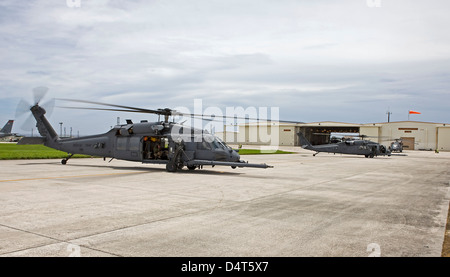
pixel 413 112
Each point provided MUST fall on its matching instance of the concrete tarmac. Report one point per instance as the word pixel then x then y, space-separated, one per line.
pixel 327 206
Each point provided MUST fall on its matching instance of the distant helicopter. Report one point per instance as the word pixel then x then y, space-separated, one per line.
pixel 367 148
pixel 396 146
pixel 161 142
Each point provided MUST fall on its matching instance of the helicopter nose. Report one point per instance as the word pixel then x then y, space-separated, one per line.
pixel 235 157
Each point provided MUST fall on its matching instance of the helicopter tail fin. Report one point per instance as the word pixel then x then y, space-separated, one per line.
pixel 304 142
pixel 45 129
pixel 8 127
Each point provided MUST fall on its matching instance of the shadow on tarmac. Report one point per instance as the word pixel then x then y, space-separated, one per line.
pixel 146 169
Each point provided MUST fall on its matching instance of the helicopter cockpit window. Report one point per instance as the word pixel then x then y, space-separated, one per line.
pixel 208 145
pixel 216 145
pixel 224 145
pixel 212 143
pixel 215 142
pixel 204 145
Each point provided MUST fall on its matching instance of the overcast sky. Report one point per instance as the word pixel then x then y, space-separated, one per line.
pixel 346 60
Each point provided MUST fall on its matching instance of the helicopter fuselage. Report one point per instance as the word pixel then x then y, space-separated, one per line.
pixel 139 142
pixel 353 147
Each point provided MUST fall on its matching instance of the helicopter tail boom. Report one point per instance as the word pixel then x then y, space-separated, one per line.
pixel 45 129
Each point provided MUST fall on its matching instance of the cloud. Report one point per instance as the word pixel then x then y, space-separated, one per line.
pixel 313 59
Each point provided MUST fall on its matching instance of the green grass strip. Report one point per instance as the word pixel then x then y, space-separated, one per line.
pixel 17 152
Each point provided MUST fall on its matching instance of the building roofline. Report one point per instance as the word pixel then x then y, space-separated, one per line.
pixel 406 121
pixel 336 122
pixel 343 123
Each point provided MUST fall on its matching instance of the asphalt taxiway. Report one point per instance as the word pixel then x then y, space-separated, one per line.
pixel 327 206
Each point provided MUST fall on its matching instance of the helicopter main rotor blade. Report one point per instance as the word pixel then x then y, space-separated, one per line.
pixel 166 111
pixel 117 110
pixel 130 109
pixel 216 117
pixel 100 109
pixel 349 135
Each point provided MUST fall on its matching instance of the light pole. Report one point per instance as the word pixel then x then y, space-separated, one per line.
pixel 389 115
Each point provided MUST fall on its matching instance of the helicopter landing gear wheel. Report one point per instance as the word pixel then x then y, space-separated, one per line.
pixel 191 167
pixel 64 161
pixel 233 167
pixel 171 167
pixel 175 162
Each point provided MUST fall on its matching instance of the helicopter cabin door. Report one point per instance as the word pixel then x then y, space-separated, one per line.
pixel 155 148
pixel 127 148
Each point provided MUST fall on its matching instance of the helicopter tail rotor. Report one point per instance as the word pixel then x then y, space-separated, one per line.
pixel 39 93
pixel 25 107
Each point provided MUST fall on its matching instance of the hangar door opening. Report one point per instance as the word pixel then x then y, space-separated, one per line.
pixel 322 134
pixel 408 143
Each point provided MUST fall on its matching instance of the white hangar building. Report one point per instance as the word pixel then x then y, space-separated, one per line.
pixel 416 135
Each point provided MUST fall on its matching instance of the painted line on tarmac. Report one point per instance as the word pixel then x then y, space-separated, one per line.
pixel 68 177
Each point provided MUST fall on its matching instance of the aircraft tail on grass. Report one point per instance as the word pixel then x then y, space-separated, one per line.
pixel 8 127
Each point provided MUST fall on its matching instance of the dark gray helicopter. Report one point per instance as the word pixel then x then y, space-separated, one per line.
pixel 364 147
pixel 161 142
pixel 396 146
